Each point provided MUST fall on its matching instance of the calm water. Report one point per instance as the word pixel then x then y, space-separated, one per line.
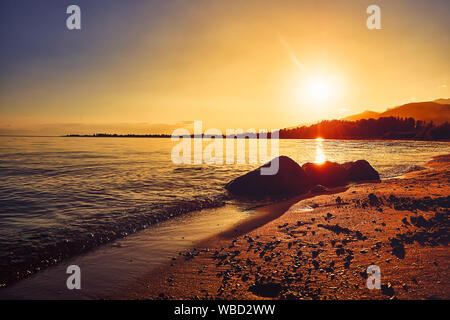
pixel 62 196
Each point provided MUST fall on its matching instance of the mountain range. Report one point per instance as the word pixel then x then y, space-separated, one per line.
pixel 437 111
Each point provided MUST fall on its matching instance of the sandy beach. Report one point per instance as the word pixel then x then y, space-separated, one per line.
pixel 320 246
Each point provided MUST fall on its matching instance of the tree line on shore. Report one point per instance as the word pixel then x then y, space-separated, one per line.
pixel 381 128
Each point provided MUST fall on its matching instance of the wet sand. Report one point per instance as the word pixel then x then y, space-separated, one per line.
pixel 107 269
pixel 320 247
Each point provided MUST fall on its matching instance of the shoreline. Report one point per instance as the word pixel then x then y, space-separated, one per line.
pixel 323 252
pixel 169 136
pixel 107 269
pixel 266 214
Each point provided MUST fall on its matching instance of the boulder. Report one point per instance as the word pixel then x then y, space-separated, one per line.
pixel 292 179
pixel 360 170
pixel 289 180
pixel 332 174
pixel 329 174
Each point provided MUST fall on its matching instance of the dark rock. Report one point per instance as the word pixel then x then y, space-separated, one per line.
pixel 360 170
pixel 328 174
pixel 289 296
pixel 405 221
pixel 269 290
pixel 373 200
pixel 332 174
pixel 419 221
pixel 289 180
pixel 292 179
pixel 398 249
pixel 388 289
pixel 338 229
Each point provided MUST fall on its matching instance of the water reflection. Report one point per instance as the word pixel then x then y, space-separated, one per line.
pixel 320 156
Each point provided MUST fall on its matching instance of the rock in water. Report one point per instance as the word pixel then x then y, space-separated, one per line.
pixel 289 180
pixel 328 174
pixel 332 174
pixel 360 170
pixel 292 179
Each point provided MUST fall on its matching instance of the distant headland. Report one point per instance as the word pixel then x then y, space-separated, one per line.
pixel 412 121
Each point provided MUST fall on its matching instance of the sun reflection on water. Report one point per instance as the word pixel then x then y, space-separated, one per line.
pixel 320 155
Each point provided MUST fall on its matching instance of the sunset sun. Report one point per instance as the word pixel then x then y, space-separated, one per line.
pixel 319 90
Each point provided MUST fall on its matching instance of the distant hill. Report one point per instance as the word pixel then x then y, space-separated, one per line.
pixel 438 112
pixel 363 115
pixel 442 101
pixel 427 111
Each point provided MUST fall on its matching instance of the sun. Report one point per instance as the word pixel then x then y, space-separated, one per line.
pixel 319 89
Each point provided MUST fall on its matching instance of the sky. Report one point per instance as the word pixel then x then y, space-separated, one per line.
pixel 152 66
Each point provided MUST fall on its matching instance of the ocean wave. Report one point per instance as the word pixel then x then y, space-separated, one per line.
pixel 399 170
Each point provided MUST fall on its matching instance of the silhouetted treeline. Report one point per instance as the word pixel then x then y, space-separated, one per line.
pixel 382 128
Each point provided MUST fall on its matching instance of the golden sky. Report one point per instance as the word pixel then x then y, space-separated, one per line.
pixel 247 64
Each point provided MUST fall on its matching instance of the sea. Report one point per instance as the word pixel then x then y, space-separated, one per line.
pixel 64 196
